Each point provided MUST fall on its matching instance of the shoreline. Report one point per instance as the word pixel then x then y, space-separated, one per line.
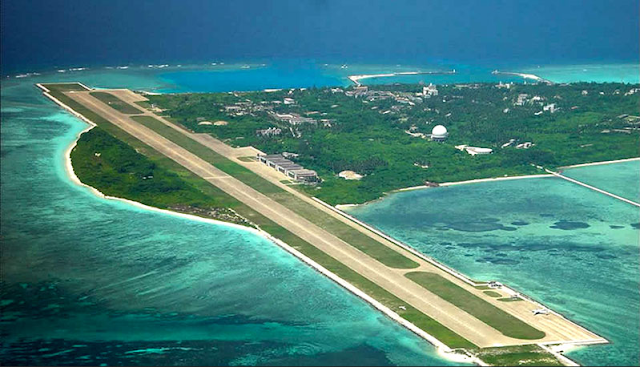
pixel 440 348
pixel 523 76
pixel 600 163
pixel 444 184
pixel 480 180
pixel 356 78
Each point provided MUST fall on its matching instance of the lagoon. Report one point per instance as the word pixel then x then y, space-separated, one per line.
pixel 567 246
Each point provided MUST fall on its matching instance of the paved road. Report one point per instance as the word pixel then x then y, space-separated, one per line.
pixel 557 328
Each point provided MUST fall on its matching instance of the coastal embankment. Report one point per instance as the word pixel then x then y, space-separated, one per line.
pixel 556 174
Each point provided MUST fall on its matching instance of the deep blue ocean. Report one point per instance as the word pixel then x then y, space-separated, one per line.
pixel 41 35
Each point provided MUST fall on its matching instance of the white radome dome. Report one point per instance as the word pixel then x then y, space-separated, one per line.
pixel 439 131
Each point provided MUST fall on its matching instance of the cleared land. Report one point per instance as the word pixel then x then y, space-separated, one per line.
pixel 349 260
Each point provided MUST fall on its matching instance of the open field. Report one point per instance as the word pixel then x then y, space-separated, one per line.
pixel 293 221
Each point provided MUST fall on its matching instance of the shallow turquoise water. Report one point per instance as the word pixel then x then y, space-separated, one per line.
pixel 599 73
pixel 90 281
pixel 621 178
pixel 567 246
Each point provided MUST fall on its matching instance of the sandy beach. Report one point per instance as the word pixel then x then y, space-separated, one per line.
pixel 525 76
pixel 444 184
pixel 356 78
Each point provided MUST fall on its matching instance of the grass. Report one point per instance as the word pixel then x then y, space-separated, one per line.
pixel 410 314
pixel 509 299
pixel 492 294
pixel 247 159
pixel 343 231
pixel 489 314
pixel 101 160
pixel 116 103
pixel 65 87
pixel 524 355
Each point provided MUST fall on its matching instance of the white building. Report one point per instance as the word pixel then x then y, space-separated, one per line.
pixel 550 107
pixel 439 133
pixel 474 150
pixel 429 91
pixel 349 175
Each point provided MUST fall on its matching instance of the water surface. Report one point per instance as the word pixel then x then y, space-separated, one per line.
pixel 571 248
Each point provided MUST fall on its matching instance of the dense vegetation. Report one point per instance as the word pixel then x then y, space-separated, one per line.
pixel 360 135
pixel 116 169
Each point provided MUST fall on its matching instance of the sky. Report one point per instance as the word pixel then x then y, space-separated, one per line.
pixel 67 32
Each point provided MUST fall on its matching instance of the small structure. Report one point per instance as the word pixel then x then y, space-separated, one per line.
pixel 272 131
pixel 525 145
pixel 349 175
pixel 474 150
pixel 288 168
pixel 360 90
pixel 550 107
pixel 429 91
pixel 439 133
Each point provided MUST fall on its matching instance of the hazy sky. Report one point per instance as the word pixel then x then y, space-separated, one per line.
pixel 101 31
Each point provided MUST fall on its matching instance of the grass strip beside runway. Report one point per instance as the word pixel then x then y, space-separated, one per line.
pixel 491 315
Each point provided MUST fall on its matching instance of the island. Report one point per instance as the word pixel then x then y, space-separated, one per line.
pixel 383 133
pixel 237 157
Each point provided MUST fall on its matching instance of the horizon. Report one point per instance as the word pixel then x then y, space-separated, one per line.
pixel 71 34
